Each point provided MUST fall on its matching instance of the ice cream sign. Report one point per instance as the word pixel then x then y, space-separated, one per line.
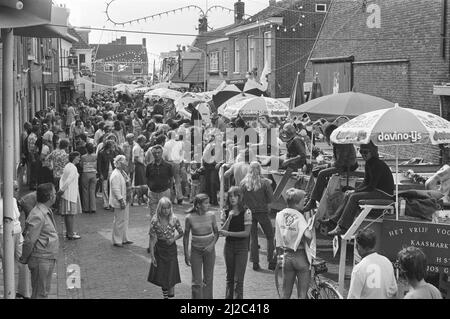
pixel 411 137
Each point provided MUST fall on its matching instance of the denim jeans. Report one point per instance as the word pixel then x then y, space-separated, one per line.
pixel 264 221
pixel 202 286
pixel 88 198
pixel 41 276
pixel 349 208
pixel 296 266
pixel 235 254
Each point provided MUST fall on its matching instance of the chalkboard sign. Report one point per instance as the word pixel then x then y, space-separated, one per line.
pixel 433 239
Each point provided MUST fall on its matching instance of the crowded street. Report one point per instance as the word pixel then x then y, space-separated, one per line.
pixel 233 150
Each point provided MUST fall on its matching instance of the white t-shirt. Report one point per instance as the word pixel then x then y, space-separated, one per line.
pixel 373 278
pixel 290 225
pixel 138 152
pixel 174 151
pixel 16 216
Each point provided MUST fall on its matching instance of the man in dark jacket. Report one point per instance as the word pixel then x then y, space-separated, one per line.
pixel 378 184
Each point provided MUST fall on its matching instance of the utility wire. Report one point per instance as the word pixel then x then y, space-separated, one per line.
pixel 277 38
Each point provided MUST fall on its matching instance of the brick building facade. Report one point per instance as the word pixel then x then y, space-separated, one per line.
pixel 281 36
pixel 119 62
pixel 392 49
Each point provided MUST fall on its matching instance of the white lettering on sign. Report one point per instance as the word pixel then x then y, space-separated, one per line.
pixel 374 20
pixel 374 279
pixel 413 136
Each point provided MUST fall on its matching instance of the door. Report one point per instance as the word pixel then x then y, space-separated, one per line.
pixel 334 77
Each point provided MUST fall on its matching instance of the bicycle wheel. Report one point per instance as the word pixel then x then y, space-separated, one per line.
pixel 327 291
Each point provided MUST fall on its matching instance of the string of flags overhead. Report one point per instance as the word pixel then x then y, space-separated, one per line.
pixel 294 27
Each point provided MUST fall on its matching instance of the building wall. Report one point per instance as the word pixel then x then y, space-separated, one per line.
pixel 215 79
pixel 292 48
pixel 408 30
pixel 116 77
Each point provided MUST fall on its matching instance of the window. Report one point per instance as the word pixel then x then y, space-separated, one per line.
pixel 268 49
pixel 34 49
pixel 321 7
pixel 214 61
pixel 236 56
pixel 251 52
pixel 225 60
pixel 137 69
pixel 108 68
pixel 82 58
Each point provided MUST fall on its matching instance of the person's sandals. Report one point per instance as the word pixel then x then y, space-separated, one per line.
pixel 74 236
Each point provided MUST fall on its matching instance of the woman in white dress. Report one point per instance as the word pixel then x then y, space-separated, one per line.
pixel 70 195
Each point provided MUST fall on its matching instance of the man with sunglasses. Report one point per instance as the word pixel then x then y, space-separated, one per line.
pixel 378 184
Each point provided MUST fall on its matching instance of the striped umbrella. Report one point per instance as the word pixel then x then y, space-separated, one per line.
pixel 254 107
pixel 394 126
pixel 232 88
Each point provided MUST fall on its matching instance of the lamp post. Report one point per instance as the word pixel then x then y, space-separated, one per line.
pixel 206 61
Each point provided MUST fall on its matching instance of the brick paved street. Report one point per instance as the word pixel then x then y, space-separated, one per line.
pixel 108 272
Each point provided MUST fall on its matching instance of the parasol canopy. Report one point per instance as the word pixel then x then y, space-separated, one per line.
pixel 232 88
pixel 163 93
pixel 190 97
pixel 350 104
pixel 394 126
pixel 165 85
pixel 253 107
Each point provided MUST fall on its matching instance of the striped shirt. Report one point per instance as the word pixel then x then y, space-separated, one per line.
pixel 202 227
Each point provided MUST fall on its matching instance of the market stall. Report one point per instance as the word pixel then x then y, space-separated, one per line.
pixel 399 126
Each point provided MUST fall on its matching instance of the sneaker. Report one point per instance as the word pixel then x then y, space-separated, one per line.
pixel 256 267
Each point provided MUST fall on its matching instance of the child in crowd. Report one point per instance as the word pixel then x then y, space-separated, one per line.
pixel 194 177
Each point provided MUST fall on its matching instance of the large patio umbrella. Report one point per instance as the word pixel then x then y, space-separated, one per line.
pixel 230 89
pixel 254 107
pixel 394 126
pixel 163 93
pixel 189 97
pixel 165 85
pixel 349 104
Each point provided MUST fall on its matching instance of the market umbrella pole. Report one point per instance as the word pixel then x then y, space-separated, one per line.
pixel 8 162
pixel 396 182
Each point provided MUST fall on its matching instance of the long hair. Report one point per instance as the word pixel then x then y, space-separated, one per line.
pixel 253 180
pixel 198 200
pixel 235 191
pixel 164 201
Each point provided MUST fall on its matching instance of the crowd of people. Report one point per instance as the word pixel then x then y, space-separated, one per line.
pixel 135 153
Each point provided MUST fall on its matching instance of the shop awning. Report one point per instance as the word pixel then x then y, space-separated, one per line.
pixel 34 12
pixel 57 28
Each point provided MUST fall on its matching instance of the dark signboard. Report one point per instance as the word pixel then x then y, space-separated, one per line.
pixel 73 62
pixel 433 239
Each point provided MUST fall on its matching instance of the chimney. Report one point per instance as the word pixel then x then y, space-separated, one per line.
pixel 144 42
pixel 202 25
pixel 123 40
pixel 239 11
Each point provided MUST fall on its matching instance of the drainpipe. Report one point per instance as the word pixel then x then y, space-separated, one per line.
pixel 8 162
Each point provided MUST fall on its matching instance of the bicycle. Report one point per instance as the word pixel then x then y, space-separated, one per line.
pixel 318 289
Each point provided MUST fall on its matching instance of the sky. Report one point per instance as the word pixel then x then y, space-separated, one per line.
pixel 91 13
